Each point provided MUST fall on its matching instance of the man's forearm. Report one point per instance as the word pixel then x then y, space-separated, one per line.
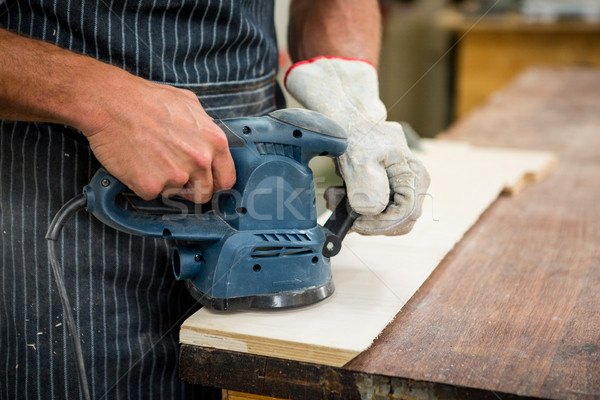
pixel 345 28
pixel 44 83
pixel 153 137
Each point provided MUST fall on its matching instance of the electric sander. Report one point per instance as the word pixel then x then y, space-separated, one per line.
pixel 257 245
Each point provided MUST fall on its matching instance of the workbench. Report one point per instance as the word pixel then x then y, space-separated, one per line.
pixel 514 310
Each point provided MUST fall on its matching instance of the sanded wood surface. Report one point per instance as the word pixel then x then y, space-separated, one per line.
pixel 513 309
pixel 376 275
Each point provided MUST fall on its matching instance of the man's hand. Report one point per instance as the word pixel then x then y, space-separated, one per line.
pixel 152 137
pixel 378 161
pixel 158 140
pixel 386 183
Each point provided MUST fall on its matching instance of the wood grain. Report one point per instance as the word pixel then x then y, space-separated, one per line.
pixel 515 307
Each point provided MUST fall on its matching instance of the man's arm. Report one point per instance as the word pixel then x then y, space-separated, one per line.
pixel 344 28
pixel 336 44
pixel 154 138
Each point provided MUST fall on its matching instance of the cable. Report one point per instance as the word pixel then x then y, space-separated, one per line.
pixel 58 222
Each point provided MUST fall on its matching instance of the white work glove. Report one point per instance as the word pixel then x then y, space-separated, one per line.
pixel 377 159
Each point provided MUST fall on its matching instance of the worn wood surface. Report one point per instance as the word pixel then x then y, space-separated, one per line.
pixel 514 308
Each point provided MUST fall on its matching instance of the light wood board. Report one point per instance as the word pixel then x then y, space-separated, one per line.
pixel 375 276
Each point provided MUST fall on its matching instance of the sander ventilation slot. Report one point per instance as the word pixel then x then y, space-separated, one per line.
pixel 284 237
pixel 280 251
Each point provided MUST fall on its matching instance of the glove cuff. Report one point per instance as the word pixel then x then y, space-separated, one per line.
pixel 312 60
pixel 344 89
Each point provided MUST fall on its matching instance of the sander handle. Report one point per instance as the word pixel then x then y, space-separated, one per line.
pixel 337 226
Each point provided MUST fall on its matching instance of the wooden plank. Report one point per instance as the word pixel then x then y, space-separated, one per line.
pixel 515 307
pixel 375 276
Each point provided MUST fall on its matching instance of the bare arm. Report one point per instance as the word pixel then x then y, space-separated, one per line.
pixel 377 162
pixel 345 28
pixel 154 138
pixel 41 82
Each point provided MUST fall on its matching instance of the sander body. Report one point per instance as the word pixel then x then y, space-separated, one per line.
pixel 257 245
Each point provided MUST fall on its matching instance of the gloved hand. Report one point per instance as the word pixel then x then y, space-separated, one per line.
pixel 386 183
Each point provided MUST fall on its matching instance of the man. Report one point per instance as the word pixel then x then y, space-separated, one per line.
pixel 134 86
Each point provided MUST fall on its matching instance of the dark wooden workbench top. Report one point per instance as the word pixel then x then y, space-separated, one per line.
pixel 514 309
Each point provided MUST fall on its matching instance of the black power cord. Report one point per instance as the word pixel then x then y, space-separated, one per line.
pixel 71 207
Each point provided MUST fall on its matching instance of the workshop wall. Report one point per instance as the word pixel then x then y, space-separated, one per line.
pixel 415 65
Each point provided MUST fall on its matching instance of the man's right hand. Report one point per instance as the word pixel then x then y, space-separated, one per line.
pixel 157 139
pixel 152 137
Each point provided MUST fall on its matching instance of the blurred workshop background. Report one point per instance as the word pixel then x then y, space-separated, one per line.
pixel 442 58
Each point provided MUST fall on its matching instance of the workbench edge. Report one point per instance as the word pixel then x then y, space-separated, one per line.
pixel 269 376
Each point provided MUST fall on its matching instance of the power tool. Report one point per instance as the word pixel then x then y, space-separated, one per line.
pixel 257 245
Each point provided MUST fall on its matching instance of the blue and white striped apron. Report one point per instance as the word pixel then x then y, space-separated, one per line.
pixel 128 306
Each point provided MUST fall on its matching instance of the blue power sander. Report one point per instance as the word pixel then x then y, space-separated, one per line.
pixel 257 245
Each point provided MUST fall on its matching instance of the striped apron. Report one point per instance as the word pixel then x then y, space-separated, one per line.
pixel 128 307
